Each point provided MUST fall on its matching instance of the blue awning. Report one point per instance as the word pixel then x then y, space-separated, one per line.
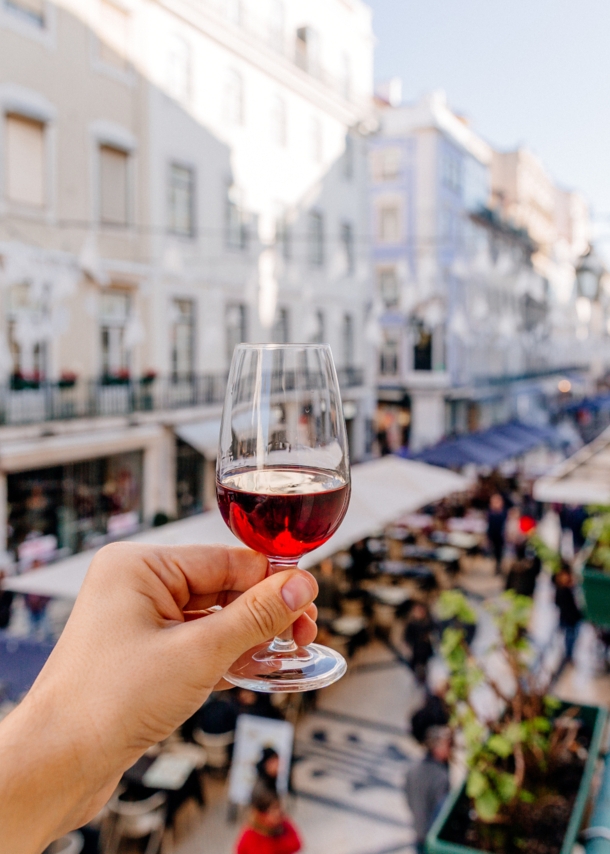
pixel 488 447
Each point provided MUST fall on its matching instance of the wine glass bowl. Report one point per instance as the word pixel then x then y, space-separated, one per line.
pixel 283 485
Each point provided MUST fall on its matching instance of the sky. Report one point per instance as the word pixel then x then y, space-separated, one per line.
pixel 533 72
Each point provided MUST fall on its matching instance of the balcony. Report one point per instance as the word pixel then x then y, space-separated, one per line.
pixel 37 402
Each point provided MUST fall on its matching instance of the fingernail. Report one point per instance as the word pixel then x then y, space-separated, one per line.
pixel 297 592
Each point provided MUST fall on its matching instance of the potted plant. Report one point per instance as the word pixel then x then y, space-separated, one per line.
pixel 120 377
pixel 67 379
pixel 148 377
pixel 596 569
pixel 530 758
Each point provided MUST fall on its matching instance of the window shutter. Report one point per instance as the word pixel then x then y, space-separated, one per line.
pixel 25 161
pixel 113 186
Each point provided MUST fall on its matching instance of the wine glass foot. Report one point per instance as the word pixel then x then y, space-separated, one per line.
pixel 262 669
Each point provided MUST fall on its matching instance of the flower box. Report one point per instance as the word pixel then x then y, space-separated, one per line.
pixel 596 591
pixel 454 815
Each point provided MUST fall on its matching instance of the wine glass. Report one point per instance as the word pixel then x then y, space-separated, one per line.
pixel 283 486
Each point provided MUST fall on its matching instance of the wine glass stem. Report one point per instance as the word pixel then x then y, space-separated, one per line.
pixel 284 642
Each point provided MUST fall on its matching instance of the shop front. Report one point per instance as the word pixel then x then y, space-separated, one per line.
pixel 74 506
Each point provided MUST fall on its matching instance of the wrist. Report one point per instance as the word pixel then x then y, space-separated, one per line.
pixel 46 759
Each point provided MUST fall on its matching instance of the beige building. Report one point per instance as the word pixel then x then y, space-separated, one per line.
pixel 557 220
pixel 174 179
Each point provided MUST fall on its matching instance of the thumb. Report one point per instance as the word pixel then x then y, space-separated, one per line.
pixel 263 611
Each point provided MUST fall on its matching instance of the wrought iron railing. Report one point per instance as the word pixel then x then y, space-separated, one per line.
pixel 35 402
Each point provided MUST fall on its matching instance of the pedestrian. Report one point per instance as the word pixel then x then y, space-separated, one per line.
pixel 434 711
pixel 268 830
pixel 6 603
pixel 570 616
pixel 496 526
pixel 267 769
pixel 427 783
pixel 418 636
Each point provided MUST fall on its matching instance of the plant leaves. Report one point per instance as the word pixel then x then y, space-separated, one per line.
pixel 500 745
pixel 477 784
pixel 506 784
pixel 487 805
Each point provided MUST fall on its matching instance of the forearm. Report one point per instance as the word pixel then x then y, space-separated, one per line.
pixel 48 774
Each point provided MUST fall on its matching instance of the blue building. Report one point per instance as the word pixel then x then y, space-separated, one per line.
pixel 463 316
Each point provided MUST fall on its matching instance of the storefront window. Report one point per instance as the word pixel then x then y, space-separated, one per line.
pixel 81 504
pixel 189 479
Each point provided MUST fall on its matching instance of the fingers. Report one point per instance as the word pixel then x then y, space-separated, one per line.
pixel 261 612
pixel 304 630
pixel 185 571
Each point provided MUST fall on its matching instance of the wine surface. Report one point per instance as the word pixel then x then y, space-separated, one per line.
pixel 283 512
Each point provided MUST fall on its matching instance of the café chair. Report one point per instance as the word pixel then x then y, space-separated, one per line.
pixel 136 820
pixel 217 746
pixel 72 843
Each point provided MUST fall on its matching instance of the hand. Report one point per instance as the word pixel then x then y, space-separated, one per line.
pixel 128 670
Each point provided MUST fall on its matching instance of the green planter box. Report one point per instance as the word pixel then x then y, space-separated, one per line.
pixel 596 590
pixel 595 718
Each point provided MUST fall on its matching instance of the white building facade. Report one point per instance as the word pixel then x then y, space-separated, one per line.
pixel 176 178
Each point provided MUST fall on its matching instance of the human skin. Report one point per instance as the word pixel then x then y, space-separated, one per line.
pixel 128 670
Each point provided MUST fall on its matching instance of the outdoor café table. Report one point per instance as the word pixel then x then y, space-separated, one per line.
pixel 389 595
pixel 174 774
pixel 463 540
pixel 422 574
pixel 410 552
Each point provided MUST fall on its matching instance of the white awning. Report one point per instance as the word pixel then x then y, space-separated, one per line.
pixel 202 435
pixel 582 479
pixel 382 490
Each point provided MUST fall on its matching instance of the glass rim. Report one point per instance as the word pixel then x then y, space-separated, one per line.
pixel 282 346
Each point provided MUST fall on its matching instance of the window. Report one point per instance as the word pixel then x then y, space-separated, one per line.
pixel 348 159
pixel 234 98
pixel 277 24
pixel 307 49
pixel 422 348
pixel 280 334
pixel 319 336
pixel 279 122
pixel 179 68
pixel 348 341
pixel 317 153
pixel 389 223
pixel 236 327
pixel 183 338
pixel 452 172
pixel 236 224
pixel 283 234
pixel 389 354
pixel 25 161
pixel 114 314
pixel 31 11
pixel 114 194
pixel 347 242
pixel 181 200
pixel 27 313
pixel 316 239
pixel 388 286
pixel 386 163
pixel 114 35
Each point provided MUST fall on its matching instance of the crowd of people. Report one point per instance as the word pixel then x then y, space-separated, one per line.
pixel 506 518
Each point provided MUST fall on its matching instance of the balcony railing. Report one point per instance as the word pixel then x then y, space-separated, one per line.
pixel 52 401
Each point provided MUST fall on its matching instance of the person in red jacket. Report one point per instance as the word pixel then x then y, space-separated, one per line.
pixel 268 831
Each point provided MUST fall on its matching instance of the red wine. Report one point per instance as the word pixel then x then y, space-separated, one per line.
pixel 283 512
